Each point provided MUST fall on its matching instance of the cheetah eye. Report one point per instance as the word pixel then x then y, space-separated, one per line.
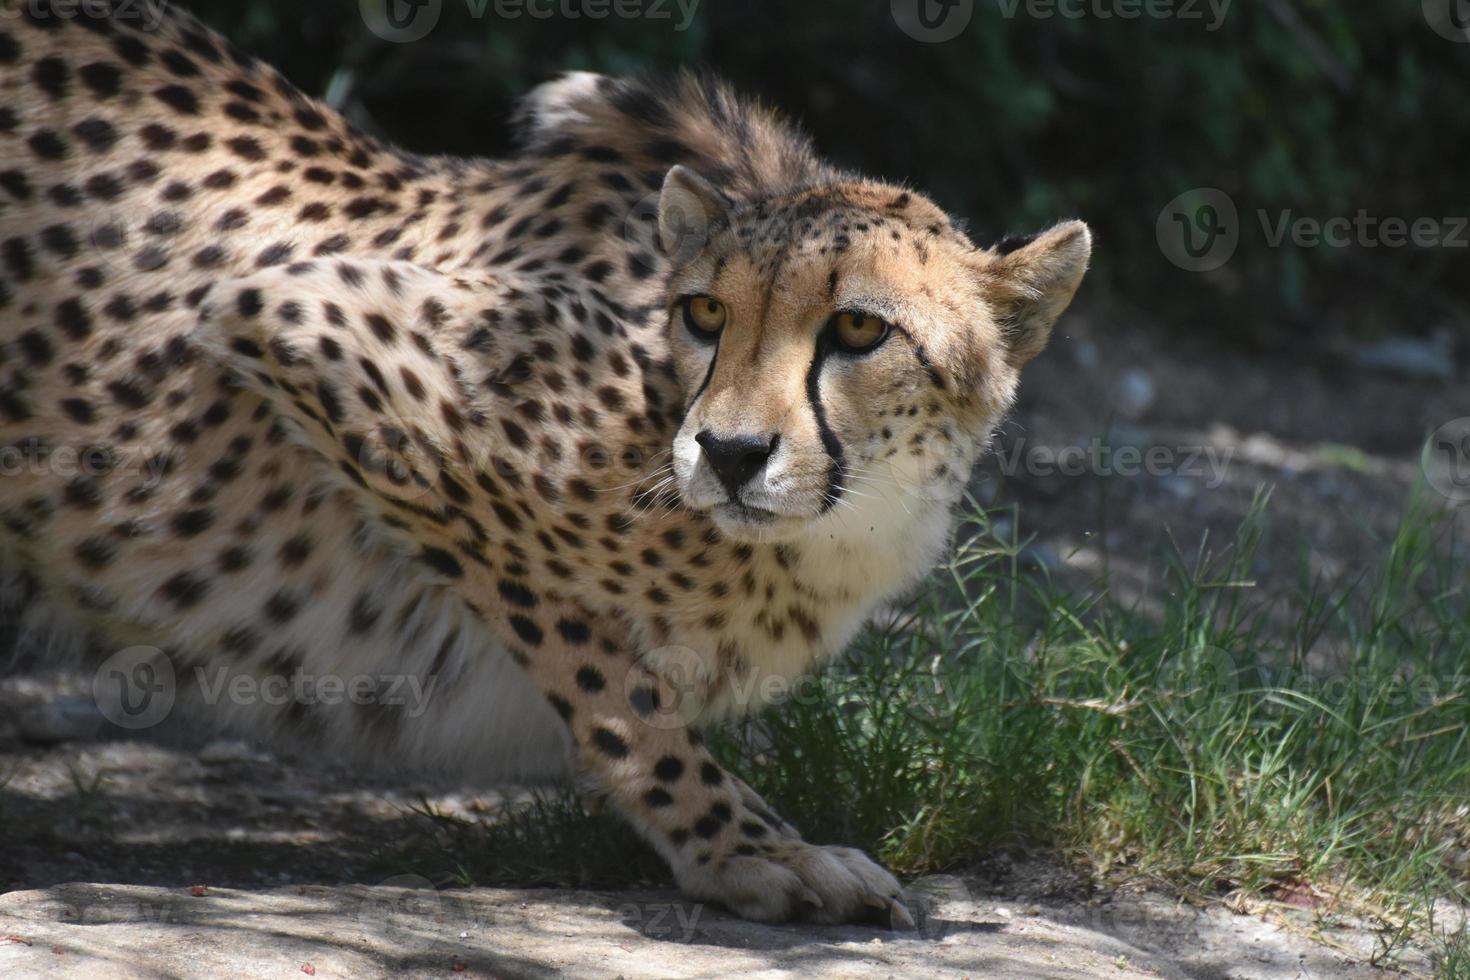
pixel 704 316
pixel 858 333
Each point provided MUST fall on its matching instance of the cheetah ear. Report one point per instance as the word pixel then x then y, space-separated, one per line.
pixel 1031 281
pixel 689 208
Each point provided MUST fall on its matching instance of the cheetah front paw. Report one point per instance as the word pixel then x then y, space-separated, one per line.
pixel 787 878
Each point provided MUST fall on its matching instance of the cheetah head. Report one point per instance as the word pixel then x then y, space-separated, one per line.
pixel 844 351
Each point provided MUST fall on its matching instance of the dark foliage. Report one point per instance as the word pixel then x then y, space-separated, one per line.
pixel 1295 108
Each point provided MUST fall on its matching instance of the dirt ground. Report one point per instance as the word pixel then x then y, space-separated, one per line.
pixel 125 858
pixel 1339 444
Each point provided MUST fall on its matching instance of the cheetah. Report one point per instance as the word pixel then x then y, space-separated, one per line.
pixel 588 443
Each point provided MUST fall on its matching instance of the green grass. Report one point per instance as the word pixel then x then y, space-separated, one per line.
pixel 1226 743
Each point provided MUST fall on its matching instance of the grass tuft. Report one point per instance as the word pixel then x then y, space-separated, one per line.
pixel 1225 742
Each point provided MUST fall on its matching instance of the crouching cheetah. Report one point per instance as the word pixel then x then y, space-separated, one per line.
pixel 586 444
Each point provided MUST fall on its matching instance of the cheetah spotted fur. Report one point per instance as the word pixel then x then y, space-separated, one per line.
pixel 291 401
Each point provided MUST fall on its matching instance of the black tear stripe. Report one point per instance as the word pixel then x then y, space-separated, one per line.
pixel 714 356
pixel 829 438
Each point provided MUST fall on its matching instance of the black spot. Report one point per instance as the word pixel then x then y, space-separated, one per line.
pixel 99 134
pixel 16 253
pixel 96 552
pixel 178 98
pixel 249 303
pixel 657 797
pixel 590 679
pixel 527 630
pixel 609 743
pixel 192 522
pixel 37 347
pixel 669 769
pixel 363 617
pixel 711 774
pixel 573 630
pixel 443 562
pixel 132 50
pixel 16 184
pixel 562 706
pixel 102 77
pixel 79 409
pixel 52 76
pixel 517 594
pixel 104 187
pixel 246 148
pixel 644 701
pixel 157 137
pixel 380 326
pixel 47 145
pixel 296 549
pixel 179 63
pixel 282 607
pixel 184 590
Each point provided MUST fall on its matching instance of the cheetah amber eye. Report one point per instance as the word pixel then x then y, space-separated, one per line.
pixel 859 332
pixel 705 316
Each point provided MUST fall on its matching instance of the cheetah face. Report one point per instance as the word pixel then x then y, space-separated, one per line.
pixel 844 352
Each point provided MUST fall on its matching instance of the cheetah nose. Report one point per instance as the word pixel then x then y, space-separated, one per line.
pixel 735 459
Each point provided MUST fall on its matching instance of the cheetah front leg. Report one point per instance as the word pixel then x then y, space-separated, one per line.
pixel 368 361
pixel 723 842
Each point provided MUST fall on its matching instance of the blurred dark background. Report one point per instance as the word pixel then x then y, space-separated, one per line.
pixel 1298 108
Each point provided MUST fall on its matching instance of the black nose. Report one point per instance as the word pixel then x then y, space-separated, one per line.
pixel 735 459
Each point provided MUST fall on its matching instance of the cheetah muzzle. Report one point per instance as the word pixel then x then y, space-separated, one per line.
pixel 585 443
